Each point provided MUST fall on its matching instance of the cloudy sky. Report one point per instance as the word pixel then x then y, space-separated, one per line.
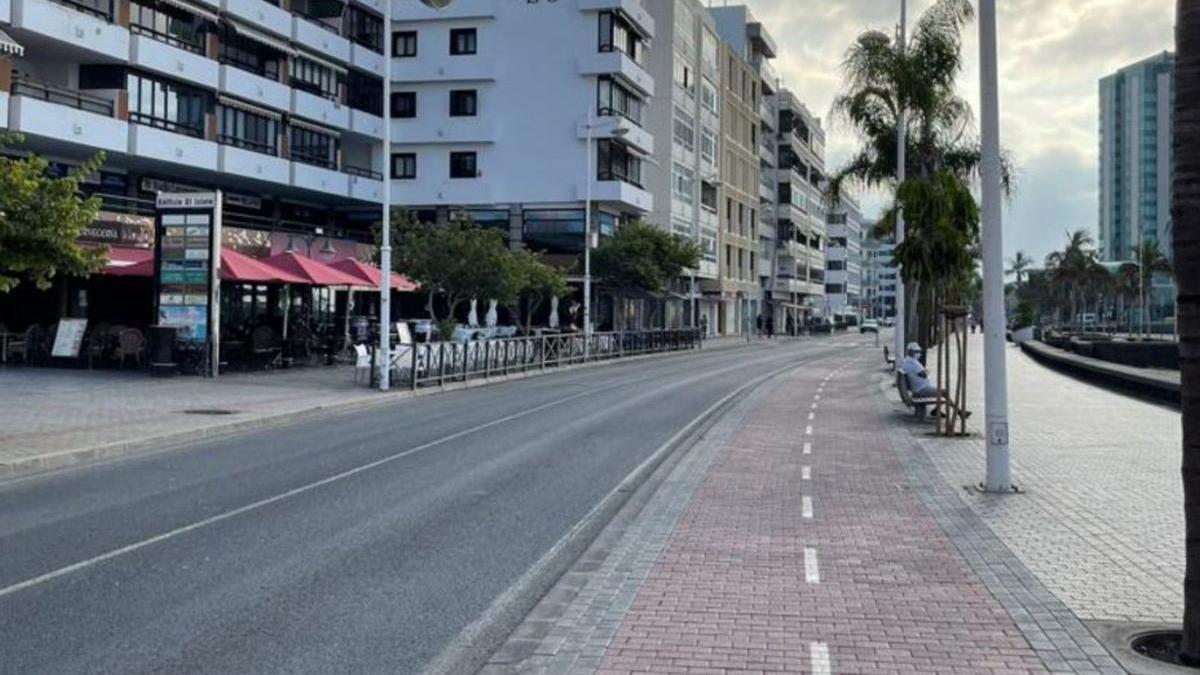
pixel 1052 54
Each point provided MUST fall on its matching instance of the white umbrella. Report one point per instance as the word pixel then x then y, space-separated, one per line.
pixel 554 311
pixel 473 317
pixel 492 316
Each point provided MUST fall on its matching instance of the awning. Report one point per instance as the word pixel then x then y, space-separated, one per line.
pixel 313 272
pixel 240 268
pixel 10 46
pixel 192 8
pixel 322 62
pixel 242 105
pixel 370 275
pixel 297 122
pixel 129 262
pixel 262 38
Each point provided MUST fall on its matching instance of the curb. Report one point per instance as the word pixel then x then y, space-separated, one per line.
pixel 1101 373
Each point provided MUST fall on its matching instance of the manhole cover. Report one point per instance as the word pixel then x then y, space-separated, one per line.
pixel 1161 646
pixel 208 411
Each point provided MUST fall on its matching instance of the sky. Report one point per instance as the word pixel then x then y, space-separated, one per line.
pixel 1052 56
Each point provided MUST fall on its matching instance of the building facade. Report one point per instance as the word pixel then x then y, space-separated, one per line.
pixel 844 260
pixel 1137 164
pixel 879 275
pixel 799 275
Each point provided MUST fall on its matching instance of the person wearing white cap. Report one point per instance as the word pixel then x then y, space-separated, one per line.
pixel 918 379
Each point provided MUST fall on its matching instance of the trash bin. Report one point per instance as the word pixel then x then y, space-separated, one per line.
pixel 162 351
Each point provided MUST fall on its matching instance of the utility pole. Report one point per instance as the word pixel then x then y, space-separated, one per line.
pixel 385 248
pixel 999 476
pixel 901 171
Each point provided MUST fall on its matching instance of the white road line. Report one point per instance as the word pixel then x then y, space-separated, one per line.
pixel 814 405
pixel 811 574
pixel 806 473
pixel 819 651
pixel 806 507
pixel 812 416
pixel 807 448
pixel 817 397
pixel 808 430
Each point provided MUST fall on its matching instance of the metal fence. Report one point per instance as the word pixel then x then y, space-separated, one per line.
pixel 439 363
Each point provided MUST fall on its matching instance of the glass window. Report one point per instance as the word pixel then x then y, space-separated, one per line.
pixel 247 129
pixel 404 104
pixel 404 43
pixel 618 35
pixel 708 145
pixel 167 23
pixel 685 129
pixel 314 147
pixel 554 230
pixel 615 99
pixel 463 165
pixel 708 96
pixel 463 41
pixel 683 184
pixel 404 165
pixel 249 55
pixel 464 103
pixel 166 105
pixel 315 78
pixel 364 92
pixel 364 28
pixel 616 162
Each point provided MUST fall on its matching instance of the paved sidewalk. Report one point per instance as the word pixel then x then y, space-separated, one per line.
pixel 805 535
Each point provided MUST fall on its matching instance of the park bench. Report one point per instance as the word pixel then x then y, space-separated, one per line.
pixel 919 405
pixel 888 359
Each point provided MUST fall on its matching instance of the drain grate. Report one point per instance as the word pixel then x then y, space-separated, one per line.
pixel 208 411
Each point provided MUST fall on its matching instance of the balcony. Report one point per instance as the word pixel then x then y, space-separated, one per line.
pixel 365 185
pixel 404 10
pixel 376 5
pixel 365 58
pixel 435 129
pixel 366 124
pixel 618 192
pixel 320 179
pixel 71 26
pixel 766 113
pixel 621 128
pixel 250 164
pixel 435 67
pixel 620 66
pixel 256 88
pixel 320 40
pixel 40 110
pixel 320 109
pixel 633 10
pixel 160 57
pixel 260 14
pixel 169 146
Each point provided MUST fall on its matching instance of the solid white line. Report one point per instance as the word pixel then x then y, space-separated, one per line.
pixel 808 430
pixel 811 574
pixel 806 508
pixel 819 651
pixel 807 448
pixel 806 473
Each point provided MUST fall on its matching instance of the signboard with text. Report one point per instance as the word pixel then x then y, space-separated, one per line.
pixel 187 284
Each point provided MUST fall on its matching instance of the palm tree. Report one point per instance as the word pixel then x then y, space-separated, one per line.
pixel 1150 260
pixel 1185 212
pixel 1018 265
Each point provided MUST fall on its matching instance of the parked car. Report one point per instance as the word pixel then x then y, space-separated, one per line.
pixel 887 322
pixel 869 326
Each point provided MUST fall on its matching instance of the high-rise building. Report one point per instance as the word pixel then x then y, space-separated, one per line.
pixel 1137 164
pixel 879 275
pixel 799 281
pixel 844 259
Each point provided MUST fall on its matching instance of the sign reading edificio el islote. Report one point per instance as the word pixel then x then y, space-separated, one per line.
pixel 186 200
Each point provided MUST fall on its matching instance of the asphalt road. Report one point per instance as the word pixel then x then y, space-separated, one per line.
pixel 364 542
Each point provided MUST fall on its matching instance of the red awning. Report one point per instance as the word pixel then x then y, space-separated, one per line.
pixel 129 262
pixel 370 274
pixel 313 272
pixel 240 268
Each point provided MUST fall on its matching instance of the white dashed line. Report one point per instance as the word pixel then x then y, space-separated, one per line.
pixel 808 430
pixel 814 405
pixel 811 574
pixel 806 473
pixel 817 397
pixel 820 658
pixel 807 448
pixel 806 507
pixel 812 416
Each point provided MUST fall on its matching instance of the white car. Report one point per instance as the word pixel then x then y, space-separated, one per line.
pixel 869 326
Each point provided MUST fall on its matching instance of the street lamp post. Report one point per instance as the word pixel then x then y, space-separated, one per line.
pixel 999 476
pixel 901 171
pixel 385 248
pixel 588 177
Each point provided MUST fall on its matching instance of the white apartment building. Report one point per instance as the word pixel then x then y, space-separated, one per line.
pixel 879 275
pixel 276 105
pixel 844 259
pixel 685 116
pixel 493 104
pixel 799 275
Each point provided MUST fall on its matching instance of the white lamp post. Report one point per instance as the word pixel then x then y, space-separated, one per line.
pixel 589 175
pixel 999 476
pixel 901 175
pixel 385 248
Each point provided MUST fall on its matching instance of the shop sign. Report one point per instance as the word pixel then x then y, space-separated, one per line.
pixel 158 185
pixel 69 338
pixel 186 200
pixel 187 283
pixel 120 229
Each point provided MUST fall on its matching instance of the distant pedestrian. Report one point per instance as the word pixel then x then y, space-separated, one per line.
pixel 758 324
pixel 791 326
pixel 770 327
pixel 703 325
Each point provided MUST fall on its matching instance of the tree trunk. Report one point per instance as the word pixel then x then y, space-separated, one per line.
pixel 1185 210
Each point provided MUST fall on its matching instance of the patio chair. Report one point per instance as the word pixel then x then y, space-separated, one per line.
pixel 263 346
pixel 20 345
pixel 130 344
pixel 99 342
pixel 302 343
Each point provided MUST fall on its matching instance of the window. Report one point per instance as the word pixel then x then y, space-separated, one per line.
pixel 404 44
pixel 616 162
pixel 708 96
pixel 464 103
pixel 315 78
pixel 167 23
pixel 462 41
pixel 312 145
pixel 463 165
pixel 683 184
pixel 708 145
pixel 554 230
pixel 166 105
pixel 247 127
pixel 615 99
pixel 364 93
pixel 404 165
pixel 364 28
pixel 618 35
pixel 708 196
pixel 684 77
pixel 249 55
pixel 685 129
pixel 404 104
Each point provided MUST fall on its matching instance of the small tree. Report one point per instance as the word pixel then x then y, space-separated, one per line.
pixel 642 257
pixel 41 220
pixel 534 283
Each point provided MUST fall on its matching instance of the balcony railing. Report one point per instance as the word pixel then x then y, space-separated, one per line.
pixel 99 8
pixel 361 172
pixel 606 175
pixel 617 112
pixel 196 47
pixel 248 144
pixel 314 160
pixel 166 124
pixel 62 96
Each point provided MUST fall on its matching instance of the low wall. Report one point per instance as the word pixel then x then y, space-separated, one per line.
pixel 1160 385
pixel 1123 352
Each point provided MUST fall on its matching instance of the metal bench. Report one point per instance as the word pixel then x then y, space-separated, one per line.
pixel 888 358
pixel 919 405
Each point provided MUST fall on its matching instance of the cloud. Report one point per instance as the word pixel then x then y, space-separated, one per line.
pixel 1052 55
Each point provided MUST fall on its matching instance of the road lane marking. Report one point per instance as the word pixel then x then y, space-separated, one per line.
pixel 812 416
pixel 806 473
pixel 811 574
pixel 807 448
pixel 806 508
pixel 819 651
pixel 808 430
pixel 817 397
pixel 814 405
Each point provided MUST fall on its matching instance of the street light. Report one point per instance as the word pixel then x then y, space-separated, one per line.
pixel 901 175
pixel 617 131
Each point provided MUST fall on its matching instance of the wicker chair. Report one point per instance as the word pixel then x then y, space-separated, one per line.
pixel 263 346
pixel 130 343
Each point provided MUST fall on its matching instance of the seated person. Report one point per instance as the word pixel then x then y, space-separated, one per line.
pixel 918 379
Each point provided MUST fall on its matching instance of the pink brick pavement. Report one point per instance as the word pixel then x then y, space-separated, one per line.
pixel 729 593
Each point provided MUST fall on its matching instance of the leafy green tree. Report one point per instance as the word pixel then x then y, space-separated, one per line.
pixel 642 257
pixel 1150 261
pixel 41 220
pixel 533 283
